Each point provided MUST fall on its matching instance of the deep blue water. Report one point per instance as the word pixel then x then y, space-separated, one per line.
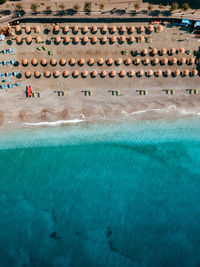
pixel 118 195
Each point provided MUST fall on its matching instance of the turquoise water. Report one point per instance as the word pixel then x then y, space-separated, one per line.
pixel 101 195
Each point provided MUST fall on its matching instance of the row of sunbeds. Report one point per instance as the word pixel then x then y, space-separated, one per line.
pixel 10 85
pixel 6 62
pixel 9 74
pixel 7 51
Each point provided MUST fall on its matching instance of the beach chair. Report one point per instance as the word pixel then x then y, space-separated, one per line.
pixel 18 84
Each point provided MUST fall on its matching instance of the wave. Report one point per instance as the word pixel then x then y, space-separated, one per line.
pixel 53 123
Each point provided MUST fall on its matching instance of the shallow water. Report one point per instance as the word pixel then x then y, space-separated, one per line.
pixel 101 195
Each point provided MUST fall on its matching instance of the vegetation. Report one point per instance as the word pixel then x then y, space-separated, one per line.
pixel 137 6
pixel 101 6
pixel 2 2
pixel 88 7
pixel 18 7
pixel 76 7
pixel 150 7
pixel 34 7
pixel 174 6
pixel 62 6
pixel 160 6
pixel 185 6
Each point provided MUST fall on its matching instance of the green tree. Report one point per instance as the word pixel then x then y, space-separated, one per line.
pixel 137 6
pixel 62 6
pixel 149 8
pixel 174 6
pixel 18 7
pixel 160 6
pixel 76 7
pixel 48 8
pixel 185 6
pixel 2 2
pixel 87 6
pixel 101 6
pixel 34 7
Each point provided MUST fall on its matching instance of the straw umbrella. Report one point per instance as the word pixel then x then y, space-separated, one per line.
pixel 113 39
pixel 17 29
pixel 122 73
pixel 150 28
pixel 182 50
pixel 38 39
pixel 75 73
pixel 65 73
pixel 27 29
pixel 103 39
pixel 84 73
pixel 112 73
pixel 27 74
pixel 122 29
pixel 160 28
pixel 37 29
pixel 53 62
pixel 127 61
pixel 131 73
pixel 144 51
pixel 154 51
pixel 155 61
pixel 122 39
pixel 56 29
pixel 85 29
pixel 18 39
pixel 75 29
pixel 57 39
pixel 131 29
pixel 85 39
pixel 177 72
pixel 90 61
pixel 118 61
pixel 163 51
pixel 43 62
pixel 28 39
pixel 149 73
pixel 66 39
pixel 141 38
pixel 63 61
pixel 81 61
pixel 34 61
pixel 100 61
pixel 47 74
pixel 146 61
pixel 104 29
pixel 76 39
pixel 141 28
pixel 168 72
pixel 72 61
pixel 56 73
pixel 158 73
pixel 173 60
pixel 94 39
pixel 182 60
pixel 131 39
pixel 94 74
pixel 185 72
pixel 36 74
pixel 65 29
pixel 113 29
pixel 164 61
pixel 140 73
pixel 172 51
pixel 94 29
pixel 109 61
pixel 137 61
pixel 191 61
pixel 195 72
pixel 103 73
pixel 24 61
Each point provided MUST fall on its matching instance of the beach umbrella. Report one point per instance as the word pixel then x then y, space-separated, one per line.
pixel 56 28
pixel 56 73
pixel 24 61
pixel 94 39
pixel 183 60
pixel 168 72
pixel 104 28
pixel 66 39
pixel 103 73
pixel 103 39
pixel 34 61
pixel 140 73
pixel 18 39
pixel 84 73
pixel 158 73
pixel 174 60
pixel 109 61
pixel 57 39
pixel 113 39
pixel 131 39
pixel 43 62
pixel 191 61
pixel 128 61
pixel 72 61
pixel 76 39
pixel 47 73
pixel 53 61
pixel 172 50
pixel 85 29
pixel 150 28
pixel 100 61
pixel 65 73
pixel 122 39
pixel 131 29
pixel 155 61
pixel 177 72
pixel 185 72
pixel 94 29
pixel 131 73
pixel 90 61
pixel 85 39
pixel 145 51
pixel 118 61
pixel 65 29
pixel 160 28
pixel 37 74
pixel 38 39
pixel 149 73
pixel 146 61
pixel 17 28
pixel 112 73
pixel 164 61
pixel 113 29
pixel 122 73
pixel 28 39
pixel 141 38
pixel 27 29
pixel 27 73
pixel 37 29
pixel 137 61
pixel 94 73
pixel 75 28
pixel 195 72
pixel 81 61
pixel 182 50
pixel 141 28
pixel 163 51
pixel 75 73
pixel 62 61
pixel 122 28
pixel 154 51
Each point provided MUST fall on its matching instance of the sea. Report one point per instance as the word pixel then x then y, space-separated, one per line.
pixel 121 193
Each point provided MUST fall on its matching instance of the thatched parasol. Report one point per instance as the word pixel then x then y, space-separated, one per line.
pixel 150 28
pixel 47 73
pixel 90 61
pixel 38 39
pixel 177 72
pixel 174 60
pixel 56 73
pixel 141 38
pixel 85 29
pixel 100 61
pixel 94 39
pixel 53 61
pixel 164 61
pixel 131 39
pixel 118 61
pixel 191 61
pixel 43 62
pixel 56 28
pixel 131 29
pixel 66 39
pixel 146 61
pixel 137 61
pixel 65 73
pixel 185 72
pixel 168 72
pixel 109 61
pixel 155 61
pixel 37 74
pixel 172 51
pixel 27 73
pixel 113 29
pixel 195 72
pixel 182 60
pixel 103 73
pixel 94 29
pixel 140 73
pixel 63 61
pixel 28 39
pixel 154 51
pixel 17 28
pixel 122 28
pixel 27 29
pixel 94 73
pixel 122 39
pixel 37 29
pixel 122 73
pixel 141 28
pixel 131 73
pixel 149 73
pixel 145 51
pixel 34 61
pixel 24 61
pixel 81 61
pixel 75 73
pixel 113 39
pixel 75 28
pixel 65 29
pixel 72 61
pixel 163 51
pixel 18 39
pixel 76 39
pixel 160 28
pixel 158 73
pixel 128 61
pixel 84 73
pixel 85 39
pixel 182 50
pixel 103 39
pixel 112 73
pixel 57 39
pixel 104 28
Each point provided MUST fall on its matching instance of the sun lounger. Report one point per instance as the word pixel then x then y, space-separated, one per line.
pixel 18 84
pixel 0 63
